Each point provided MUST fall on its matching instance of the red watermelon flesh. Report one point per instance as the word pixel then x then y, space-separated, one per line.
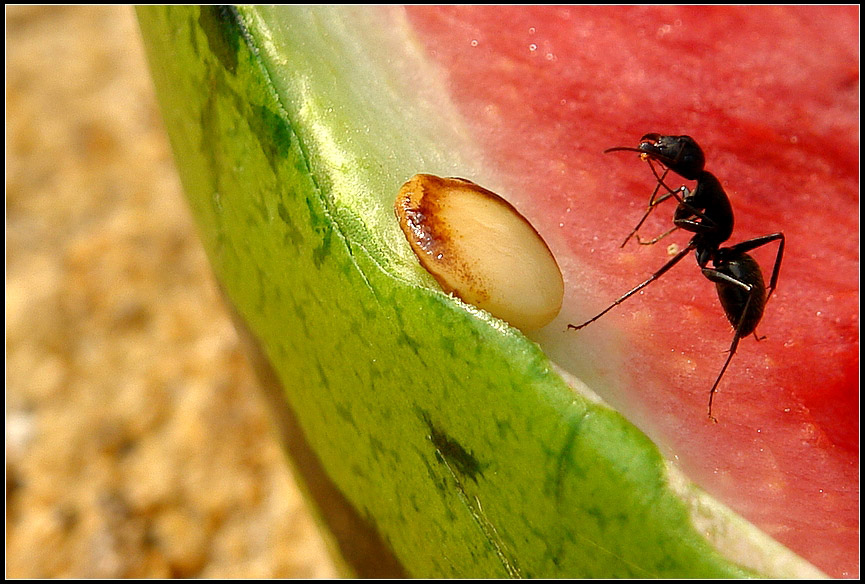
pixel 771 94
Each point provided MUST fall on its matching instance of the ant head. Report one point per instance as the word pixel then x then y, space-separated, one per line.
pixel 681 154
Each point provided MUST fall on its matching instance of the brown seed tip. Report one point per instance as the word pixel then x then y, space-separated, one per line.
pixel 480 248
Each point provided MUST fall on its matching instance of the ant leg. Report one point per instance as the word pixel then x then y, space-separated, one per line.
pixel 687 192
pixel 721 374
pixel 660 179
pixel 720 277
pixel 640 286
pixel 656 239
pixel 652 201
pixel 645 216
pixel 750 244
pixel 686 217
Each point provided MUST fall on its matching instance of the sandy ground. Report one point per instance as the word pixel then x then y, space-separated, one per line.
pixel 137 441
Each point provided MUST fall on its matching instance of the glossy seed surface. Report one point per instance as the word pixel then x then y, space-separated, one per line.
pixel 480 248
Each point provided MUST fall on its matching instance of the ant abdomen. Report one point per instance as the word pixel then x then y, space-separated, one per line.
pixel 743 304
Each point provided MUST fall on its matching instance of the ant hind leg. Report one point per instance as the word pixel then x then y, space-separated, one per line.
pixel 756 242
pixel 726 280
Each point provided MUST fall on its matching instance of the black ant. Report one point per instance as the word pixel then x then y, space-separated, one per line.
pixel 706 212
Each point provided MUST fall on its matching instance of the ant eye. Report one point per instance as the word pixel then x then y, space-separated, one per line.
pixel 651 138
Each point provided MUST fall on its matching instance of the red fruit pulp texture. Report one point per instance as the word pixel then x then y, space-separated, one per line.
pixel 771 94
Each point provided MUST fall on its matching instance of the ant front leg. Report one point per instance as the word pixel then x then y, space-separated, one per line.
pixel 651 208
pixel 655 240
pixel 670 193
pixel 653 202
pixel 687 216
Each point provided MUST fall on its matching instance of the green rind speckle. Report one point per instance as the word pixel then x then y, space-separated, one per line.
pixel 447 431
pixel 222 27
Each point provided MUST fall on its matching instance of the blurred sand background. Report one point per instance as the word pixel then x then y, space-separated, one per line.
pixel 137 441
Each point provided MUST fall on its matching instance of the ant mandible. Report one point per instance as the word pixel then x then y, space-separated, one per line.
pixel 706 212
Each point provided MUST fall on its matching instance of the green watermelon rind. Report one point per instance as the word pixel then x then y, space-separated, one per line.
pixel 448 430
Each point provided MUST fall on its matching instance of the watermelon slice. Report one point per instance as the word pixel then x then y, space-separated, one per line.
pixel 772 95
pixel 440 423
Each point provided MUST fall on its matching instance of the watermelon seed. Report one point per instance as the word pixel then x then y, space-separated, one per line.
pixel 478 247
